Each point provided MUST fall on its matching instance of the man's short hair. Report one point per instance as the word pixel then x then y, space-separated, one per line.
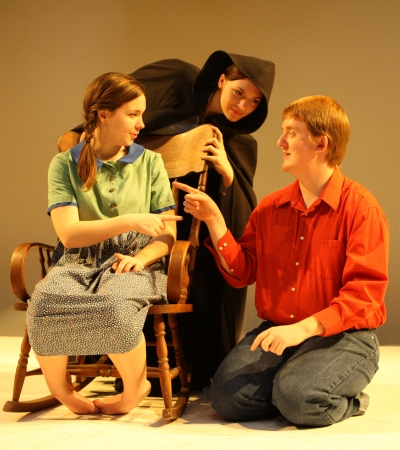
pixel 323 116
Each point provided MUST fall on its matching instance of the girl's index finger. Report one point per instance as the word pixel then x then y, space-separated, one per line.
pixel 167 218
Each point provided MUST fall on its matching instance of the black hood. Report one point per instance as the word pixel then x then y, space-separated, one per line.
pixel 259 71
pixel 168 88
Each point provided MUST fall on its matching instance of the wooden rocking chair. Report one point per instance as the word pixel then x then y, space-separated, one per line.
pixel 181 155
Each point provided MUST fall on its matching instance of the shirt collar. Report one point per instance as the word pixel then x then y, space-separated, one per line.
pixel 330 194
pixel 333 189
pixel 134 152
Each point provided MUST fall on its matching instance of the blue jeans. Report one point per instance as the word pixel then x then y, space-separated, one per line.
pixel 316 383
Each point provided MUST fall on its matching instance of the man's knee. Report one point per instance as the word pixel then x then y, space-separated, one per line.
pixel 237 401
pixel 301 406
pixel 224 402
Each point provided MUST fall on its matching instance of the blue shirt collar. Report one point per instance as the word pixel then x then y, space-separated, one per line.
pixel 134 152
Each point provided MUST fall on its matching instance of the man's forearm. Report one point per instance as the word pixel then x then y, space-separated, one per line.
pixel 311 327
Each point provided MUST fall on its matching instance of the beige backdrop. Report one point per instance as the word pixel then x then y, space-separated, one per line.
pixel 51 50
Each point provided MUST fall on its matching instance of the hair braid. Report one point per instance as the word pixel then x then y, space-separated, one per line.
pixel 87 166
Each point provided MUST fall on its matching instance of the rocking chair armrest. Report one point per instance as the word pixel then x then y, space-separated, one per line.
pixel 180 268
pixel 17 267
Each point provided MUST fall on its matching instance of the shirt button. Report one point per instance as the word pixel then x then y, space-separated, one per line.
pixel 231 270
pixel 302 238
pixel 224 193
pixel 113 205
pixel 297 263
pixel 111 190
pixel 293 289
pixel 306 214
pixel 225 244
pixel 111 178
pixel 219 248
pixel 292 316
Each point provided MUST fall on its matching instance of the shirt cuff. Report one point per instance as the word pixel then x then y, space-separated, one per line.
pixel 330 321
pixel 226 246
pixel 57 205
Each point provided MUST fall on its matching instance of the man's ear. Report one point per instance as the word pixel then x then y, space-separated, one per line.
pixel 102 114
pixel 322 143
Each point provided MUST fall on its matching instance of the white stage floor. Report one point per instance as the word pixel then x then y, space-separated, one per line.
pixel 199 428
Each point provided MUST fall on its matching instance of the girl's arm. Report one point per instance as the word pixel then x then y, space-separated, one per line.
pixel 74 233
pixel 158 247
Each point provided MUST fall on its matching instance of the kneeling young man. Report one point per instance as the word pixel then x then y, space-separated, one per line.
pixel 318 252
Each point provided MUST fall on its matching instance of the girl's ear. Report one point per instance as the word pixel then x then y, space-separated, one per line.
pixel 102 114
pixel 221 81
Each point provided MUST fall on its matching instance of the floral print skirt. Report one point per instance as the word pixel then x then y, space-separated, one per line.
pixel 82 307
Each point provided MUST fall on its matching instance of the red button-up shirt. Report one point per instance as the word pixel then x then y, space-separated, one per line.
pixel 329 261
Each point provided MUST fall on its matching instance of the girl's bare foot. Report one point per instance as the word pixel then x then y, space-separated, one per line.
pixel 59 381
pixel 73 400
pixel 77 403
pixel 123 403
pixel 108 400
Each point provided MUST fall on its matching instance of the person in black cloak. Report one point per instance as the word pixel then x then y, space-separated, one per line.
pixel 232 93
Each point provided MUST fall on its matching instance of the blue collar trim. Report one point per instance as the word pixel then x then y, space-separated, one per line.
pixel 134 152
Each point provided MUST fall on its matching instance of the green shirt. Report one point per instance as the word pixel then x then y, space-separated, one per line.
pixel 136 183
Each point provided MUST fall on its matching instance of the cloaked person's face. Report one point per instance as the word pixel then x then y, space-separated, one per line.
pixel 238 98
